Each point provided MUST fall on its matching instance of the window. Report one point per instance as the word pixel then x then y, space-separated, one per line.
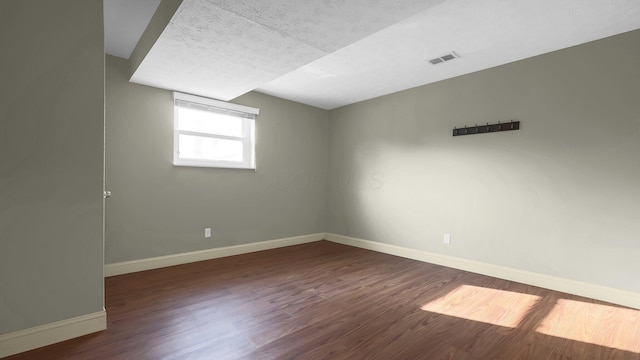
pixel 212 133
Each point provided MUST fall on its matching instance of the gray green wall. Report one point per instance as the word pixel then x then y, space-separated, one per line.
pixel 559 197
pixel 51 161
pixel 160 209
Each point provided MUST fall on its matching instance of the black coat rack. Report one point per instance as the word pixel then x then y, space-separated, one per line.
pixel 488 128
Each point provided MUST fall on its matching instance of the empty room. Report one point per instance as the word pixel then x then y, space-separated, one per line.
pixel 365 179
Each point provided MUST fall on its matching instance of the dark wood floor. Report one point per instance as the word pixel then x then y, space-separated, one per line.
pixel 328 301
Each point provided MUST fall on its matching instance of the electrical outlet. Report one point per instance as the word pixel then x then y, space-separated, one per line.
pixel 207 233
pixel 446 239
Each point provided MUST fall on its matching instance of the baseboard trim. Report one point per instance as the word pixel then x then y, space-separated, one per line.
pixel 43 335
pixel 593 291
pixel 184 258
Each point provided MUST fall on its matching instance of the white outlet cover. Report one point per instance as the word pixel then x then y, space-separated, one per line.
pixel 446 239
pixel 207 232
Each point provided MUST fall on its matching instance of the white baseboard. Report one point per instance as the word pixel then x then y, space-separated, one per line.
pixel 593 291
pixel 184 258
pixel 43 335
pixel 598 292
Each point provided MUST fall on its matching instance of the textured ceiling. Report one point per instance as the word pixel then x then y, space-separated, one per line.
pixel 223 49
pixel 332 53
pixel 484 33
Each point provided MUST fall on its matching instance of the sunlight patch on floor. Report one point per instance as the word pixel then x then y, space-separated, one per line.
pixel 487 305
pixel 605 325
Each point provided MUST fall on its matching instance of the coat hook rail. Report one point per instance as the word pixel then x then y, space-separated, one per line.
pixel 488 128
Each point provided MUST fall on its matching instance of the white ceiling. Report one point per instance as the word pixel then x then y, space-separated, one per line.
pixel 124 23
pixel 332 53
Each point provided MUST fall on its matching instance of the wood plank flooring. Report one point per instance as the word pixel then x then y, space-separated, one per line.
pixel 328 301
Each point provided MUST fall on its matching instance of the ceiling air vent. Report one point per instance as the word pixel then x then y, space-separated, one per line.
pixel 446 57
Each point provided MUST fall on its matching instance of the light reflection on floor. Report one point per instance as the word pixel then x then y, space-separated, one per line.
pixel 598 324
pixel 487 305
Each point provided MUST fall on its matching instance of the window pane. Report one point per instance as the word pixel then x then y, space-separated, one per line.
pixel 208 122
pixel 204 148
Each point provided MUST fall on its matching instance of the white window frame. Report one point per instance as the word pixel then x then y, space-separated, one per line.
pixel 246 113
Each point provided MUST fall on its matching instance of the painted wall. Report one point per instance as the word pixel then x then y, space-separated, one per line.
pixel 159 209
pixel 51 161
pixel 559 197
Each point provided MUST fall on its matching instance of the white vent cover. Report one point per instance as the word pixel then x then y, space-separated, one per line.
pixel 446 57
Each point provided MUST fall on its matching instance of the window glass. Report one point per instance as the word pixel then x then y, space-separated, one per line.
pixel 206 148
pixel 208 122
pixel 212 133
